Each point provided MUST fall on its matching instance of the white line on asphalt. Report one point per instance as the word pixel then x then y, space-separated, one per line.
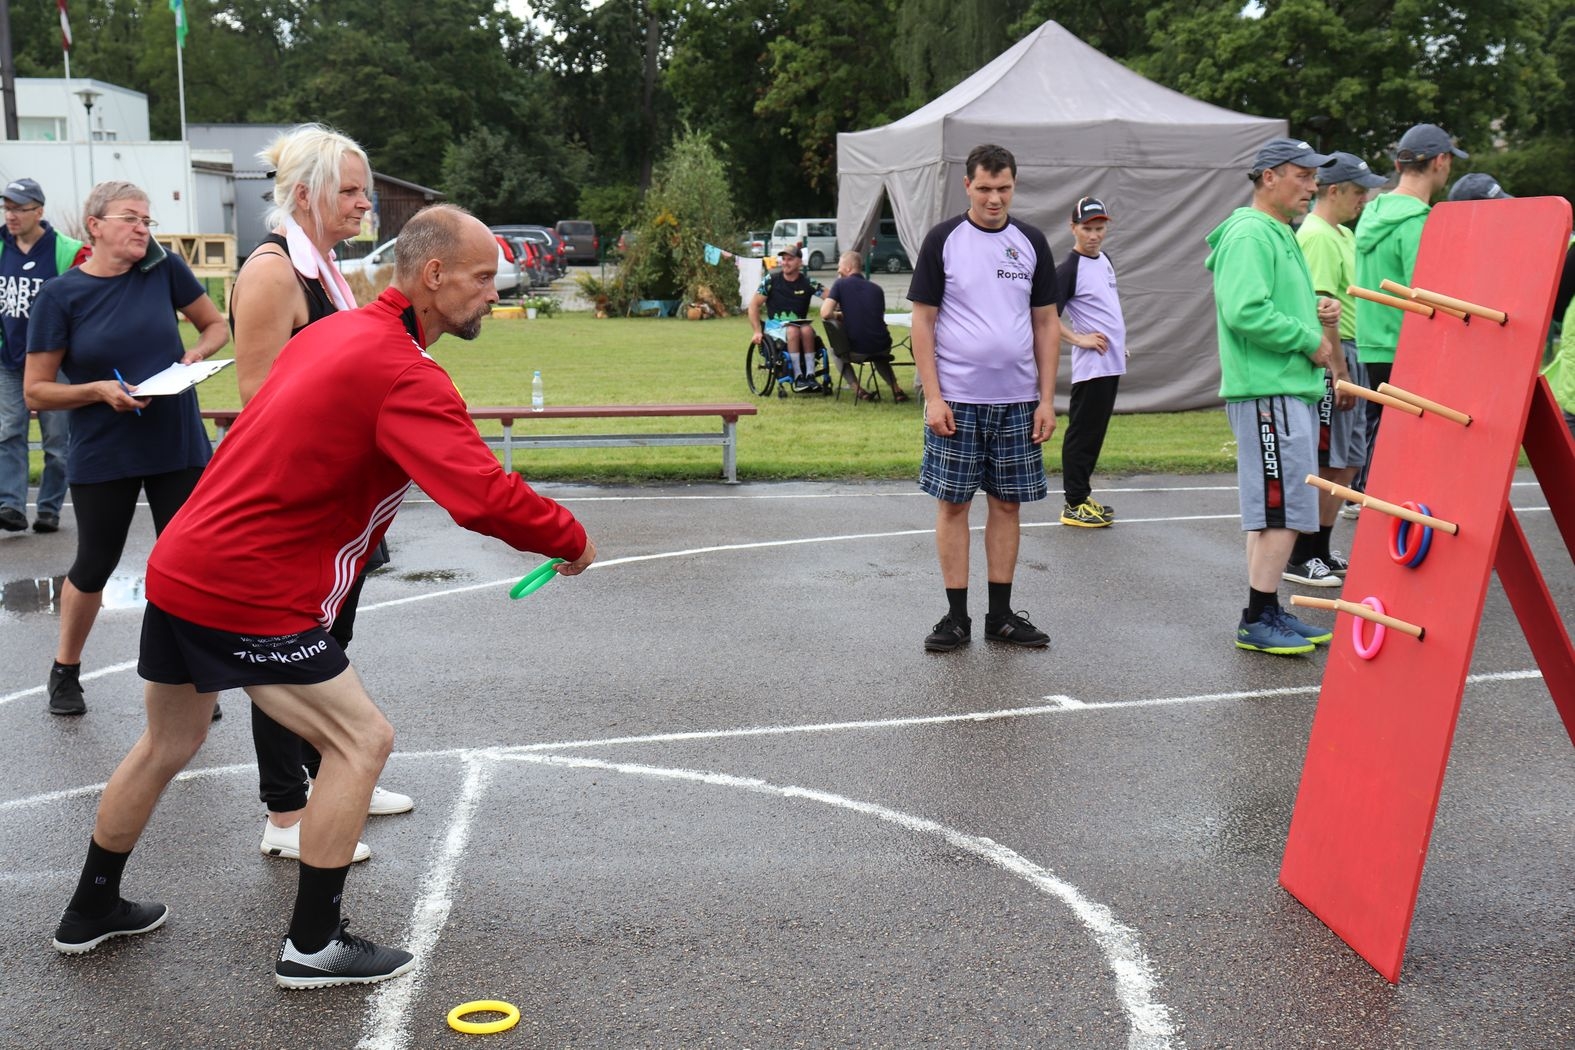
pixel 389 1009
pixel 1149 1023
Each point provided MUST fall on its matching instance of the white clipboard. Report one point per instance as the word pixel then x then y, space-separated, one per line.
pixel 178 378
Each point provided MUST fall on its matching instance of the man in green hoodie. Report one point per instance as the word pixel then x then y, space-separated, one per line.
pixel 1387 240
pixel 1276 338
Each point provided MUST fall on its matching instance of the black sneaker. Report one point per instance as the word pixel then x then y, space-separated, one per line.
pixel 949 634
pixel 345 959
pixel 77 933
pixel 46 522
pixel 1015 628
pixel 12 520
pixel 65 690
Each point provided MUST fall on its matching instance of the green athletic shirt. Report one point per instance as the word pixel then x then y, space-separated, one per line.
pixel 1387 240
pixel 1266 313
pixel 1331 259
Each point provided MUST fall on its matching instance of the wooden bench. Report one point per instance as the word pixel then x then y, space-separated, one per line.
pixel 727 437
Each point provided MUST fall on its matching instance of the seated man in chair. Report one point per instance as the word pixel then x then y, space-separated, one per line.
pixel 860 305
pixel 785 293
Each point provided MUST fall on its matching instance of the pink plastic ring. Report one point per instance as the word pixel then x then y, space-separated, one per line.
pixel 1368 650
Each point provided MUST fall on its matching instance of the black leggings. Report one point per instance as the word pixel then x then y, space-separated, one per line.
pixel 284 760
pixel 1093 400
pixel 104 510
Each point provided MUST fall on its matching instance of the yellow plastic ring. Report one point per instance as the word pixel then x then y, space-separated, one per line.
pixel 510 1018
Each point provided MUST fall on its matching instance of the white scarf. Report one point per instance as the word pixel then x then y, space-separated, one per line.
pixel 309 263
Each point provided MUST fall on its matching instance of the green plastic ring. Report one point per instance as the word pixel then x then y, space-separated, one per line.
pixel 536 579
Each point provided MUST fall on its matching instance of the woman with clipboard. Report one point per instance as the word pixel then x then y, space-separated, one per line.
pixel 116 314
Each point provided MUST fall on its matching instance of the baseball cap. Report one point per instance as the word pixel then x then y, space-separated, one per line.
pixel 1478 186
pixel 1288 151
pixel 1424 141
pixel 23 191
pixel 1089 208
pixel 1348 167
pixel 791 250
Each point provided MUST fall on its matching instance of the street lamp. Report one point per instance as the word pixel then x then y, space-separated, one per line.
pixel 88 97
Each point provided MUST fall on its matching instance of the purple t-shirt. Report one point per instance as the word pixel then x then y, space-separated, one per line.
pixel 1089 304
pixel 985 284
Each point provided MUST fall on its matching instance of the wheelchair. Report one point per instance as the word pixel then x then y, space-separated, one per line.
pixel 770 368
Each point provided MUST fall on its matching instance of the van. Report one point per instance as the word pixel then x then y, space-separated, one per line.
pixel 580 243
pixel 818 238
pixel 886 251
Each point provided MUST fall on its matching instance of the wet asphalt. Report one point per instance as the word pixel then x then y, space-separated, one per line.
pixel 714 794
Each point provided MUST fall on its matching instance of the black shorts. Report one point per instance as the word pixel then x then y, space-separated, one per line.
pixel 179 652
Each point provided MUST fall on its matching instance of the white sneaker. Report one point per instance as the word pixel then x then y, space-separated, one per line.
pixel 386 802
pixel 285 843
pixel 1349 511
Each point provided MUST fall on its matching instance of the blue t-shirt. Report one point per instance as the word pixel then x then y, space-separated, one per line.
pixel 126 322
pixel 863 313
pixel 21 276
pixel 986 284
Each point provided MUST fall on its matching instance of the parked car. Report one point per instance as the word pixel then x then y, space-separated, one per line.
pixel 580 243
pixel 755 242
pixel 817 238
pixel 529 256
pixel 625 241
pixel 507 281
pixel 886 251
pixel 547 239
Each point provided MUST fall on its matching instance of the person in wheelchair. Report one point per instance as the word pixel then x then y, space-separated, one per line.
pixel 784 296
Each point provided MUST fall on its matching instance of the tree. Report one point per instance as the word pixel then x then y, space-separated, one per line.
pixel 940 43
pixel 688 206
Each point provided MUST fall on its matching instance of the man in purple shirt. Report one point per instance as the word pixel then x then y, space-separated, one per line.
pixel 986 345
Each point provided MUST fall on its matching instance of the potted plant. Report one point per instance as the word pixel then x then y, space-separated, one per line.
pixel 544 305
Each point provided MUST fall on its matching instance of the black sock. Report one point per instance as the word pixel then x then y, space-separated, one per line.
pixel 957 603
pixel 1000 599
pixel 1258 601
pixel 1306 547
pixel 1323 542
pixel 98 890
pixel 317 897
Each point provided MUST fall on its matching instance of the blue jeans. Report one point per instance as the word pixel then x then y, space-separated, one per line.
pixel 55 427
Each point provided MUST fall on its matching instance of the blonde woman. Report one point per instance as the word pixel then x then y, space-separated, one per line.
pixel 322 187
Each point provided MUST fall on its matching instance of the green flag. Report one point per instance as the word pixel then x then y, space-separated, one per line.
pixel 179 7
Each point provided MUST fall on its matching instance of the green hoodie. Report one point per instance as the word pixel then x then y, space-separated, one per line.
pixel 1387 239
pixel 1266 312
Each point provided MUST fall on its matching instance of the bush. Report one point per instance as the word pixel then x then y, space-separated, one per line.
pixel 689 205
pixel 1543 167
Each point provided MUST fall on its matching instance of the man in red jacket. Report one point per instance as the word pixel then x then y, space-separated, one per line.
pixel 301 489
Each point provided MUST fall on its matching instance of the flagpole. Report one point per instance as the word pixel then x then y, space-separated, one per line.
pixel 71 144
pixel 180 77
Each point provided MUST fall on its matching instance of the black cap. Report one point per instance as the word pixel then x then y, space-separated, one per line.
pixel 792 250
pixel 1478 186
pixel 1088 208
pixel 23 191
pixel 1425 141
pixel 1348 167
pixel 1288 151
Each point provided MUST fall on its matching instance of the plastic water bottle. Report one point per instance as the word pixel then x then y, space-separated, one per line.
pixel 537 402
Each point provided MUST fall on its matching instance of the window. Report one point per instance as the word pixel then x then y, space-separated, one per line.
pixel 42 129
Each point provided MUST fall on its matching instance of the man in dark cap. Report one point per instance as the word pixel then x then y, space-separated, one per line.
pixel 1478 186
pixel 1275 341
pixel 31 253
pixel 784 296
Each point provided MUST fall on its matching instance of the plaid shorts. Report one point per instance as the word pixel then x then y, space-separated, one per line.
pixel 992 449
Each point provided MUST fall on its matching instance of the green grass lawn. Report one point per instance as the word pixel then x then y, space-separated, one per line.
pixel 586 361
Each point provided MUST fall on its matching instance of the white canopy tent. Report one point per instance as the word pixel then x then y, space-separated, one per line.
pixel 1168 167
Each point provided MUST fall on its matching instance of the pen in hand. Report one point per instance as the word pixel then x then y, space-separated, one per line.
pixel 122 381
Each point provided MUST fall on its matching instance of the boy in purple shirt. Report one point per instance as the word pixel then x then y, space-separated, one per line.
pixel 986 345
pixel 1093 324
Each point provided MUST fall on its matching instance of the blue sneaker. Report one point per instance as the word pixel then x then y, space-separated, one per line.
pixel 1316 635
pixel 1270 634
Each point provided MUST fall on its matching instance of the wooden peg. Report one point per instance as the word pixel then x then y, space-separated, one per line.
pixel 1383 506
pixel 1358 609
pixel 1409 295
pixel 1389 300
pixel 1421 402
pixel 1447 302
pixel 1347 387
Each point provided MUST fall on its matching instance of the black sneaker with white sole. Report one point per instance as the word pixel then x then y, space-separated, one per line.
pixel 77 933
pixel 1311 573
pixel 345 959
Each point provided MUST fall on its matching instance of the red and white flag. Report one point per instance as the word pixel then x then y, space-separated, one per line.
pixel 65 26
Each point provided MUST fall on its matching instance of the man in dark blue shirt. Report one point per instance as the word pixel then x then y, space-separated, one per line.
pixel 861 306
pixel 31 252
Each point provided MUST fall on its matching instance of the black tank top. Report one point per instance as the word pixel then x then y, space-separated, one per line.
pixel 318 304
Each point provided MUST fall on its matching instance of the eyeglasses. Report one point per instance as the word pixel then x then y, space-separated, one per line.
pixel 132 220
pixel 19 209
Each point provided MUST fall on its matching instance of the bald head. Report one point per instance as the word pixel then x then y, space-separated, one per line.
pixel 850 263
pixel 444 263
